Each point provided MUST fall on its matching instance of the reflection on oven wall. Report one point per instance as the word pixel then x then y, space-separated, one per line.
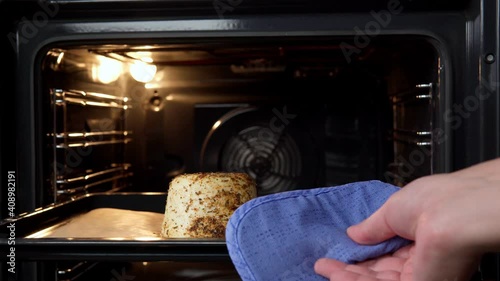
pixel 293 115
pixel 85 121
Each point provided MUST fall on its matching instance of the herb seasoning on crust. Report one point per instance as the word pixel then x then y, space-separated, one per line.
pixel 199 204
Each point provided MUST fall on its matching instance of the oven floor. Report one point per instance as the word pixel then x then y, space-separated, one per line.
pixel 162 271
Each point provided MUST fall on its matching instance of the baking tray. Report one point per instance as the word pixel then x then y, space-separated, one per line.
pixel 68 248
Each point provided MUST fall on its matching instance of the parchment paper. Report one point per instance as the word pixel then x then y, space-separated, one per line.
pixel 107 223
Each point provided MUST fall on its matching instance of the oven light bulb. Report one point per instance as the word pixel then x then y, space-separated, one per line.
pixel 107 71
pixel 142 72
pixel 216 125
pixel 59 58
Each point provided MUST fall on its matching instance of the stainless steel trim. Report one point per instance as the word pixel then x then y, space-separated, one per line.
pixel 423 96
pixel 122 167
pixel 414 141
pixel 87 186
pixel 61 273
pixel 406 99
pixel 419 92
pixel 92 94
pixel 92 143
pixel 90 134
pixel 71 269
pixel 84 102
pixel 89 99
pixel 413 132
pixel 428 85
pixel 53 178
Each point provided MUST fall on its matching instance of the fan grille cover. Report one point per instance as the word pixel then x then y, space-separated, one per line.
pixel 280 157
pixel 273 160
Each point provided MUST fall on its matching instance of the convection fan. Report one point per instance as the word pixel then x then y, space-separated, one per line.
pixel 279 154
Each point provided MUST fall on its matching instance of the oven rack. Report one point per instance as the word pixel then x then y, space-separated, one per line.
pixel 83 98
pixel 94 138
pixel 85 139
pixel 412 132
pixel 412 139
pixel 91 134
pixel 74 271
pixel 117 168
pixel 92 143
pixel 82 183
pixel 421 92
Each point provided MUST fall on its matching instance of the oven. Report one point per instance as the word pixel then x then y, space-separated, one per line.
pixel 105 102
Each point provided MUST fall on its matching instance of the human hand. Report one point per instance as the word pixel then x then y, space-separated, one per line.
pixel 394 267
pixel 453 219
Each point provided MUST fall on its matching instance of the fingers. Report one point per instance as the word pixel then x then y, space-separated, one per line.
pixel 386 269
pixel 352 276
pixel 326 267
pixel 405 252
pixel 388 263
pixel 373 230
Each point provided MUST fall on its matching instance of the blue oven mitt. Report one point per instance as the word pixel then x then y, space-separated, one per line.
pixel 280 236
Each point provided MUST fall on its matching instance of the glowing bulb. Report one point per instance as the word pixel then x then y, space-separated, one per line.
pixel 216 125
pixel 108 70
pixel 143 72
pixel 60 57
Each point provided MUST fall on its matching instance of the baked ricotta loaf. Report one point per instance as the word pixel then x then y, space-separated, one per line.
pixel 199 204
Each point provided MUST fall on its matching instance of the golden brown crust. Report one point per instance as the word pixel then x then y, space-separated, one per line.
pixel 199 205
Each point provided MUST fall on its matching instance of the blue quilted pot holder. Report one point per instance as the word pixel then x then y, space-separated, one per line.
pixel 280 236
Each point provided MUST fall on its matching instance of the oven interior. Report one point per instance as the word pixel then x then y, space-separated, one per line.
pixel 293 112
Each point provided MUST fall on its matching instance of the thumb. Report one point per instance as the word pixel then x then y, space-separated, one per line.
pixel 373 230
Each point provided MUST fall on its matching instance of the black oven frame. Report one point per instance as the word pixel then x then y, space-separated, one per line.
pixel 465 34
